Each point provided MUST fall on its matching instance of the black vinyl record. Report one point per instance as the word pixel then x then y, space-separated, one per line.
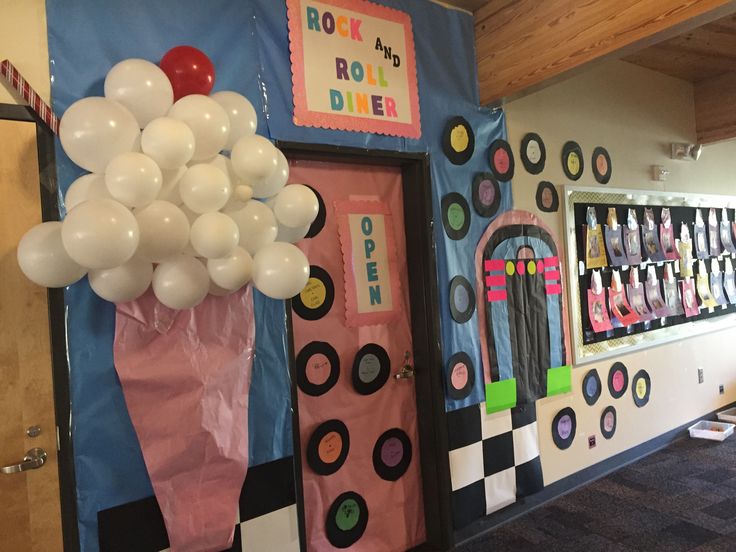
pixel 328 447
pixel 317 368
pixel 533 153
pixel 601 163
pixel 346 520
pixel 608 422
pixel 592 387
pixel 371 369
pixel 455 215
pixel 320 219
pixel 572 160
pixel 641 386
pixel 547 199
pixel 564 425
pixel 462 300
pixel 316 299
pixel 502 160
pixel 458 141
pixel 618 380
pixel 486 194
pixel 460 376
pixel 392 454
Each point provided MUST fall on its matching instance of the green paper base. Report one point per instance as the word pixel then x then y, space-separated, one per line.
pixel 559 380
pixel 500 395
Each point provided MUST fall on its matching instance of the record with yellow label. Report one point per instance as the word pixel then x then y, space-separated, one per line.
pixel 315 300
pixel 572 160
pixel 458 141
pixel 641 385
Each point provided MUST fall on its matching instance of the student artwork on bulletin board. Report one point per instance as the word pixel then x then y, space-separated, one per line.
pixel 614 240
pixel 703 286
pixel 597 310
pixel 654 297
pixel 650 237
pixel 716 283
pixel 689 301
pixel 714 234
pixel 637 301
pixel 701 242
pixel 632 245
pixel 595 252
pixel 726 237
pixel 729 281
pixel 667 235
pixel 619 305
pixel 672 291
pixel 685 246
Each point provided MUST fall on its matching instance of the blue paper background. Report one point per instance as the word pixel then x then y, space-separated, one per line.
pixel 248 44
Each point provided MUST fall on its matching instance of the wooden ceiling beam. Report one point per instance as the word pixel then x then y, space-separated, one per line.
pixel 715 108
pixel 522 45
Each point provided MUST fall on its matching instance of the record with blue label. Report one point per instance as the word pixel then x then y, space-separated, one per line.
pixel 462 300
pixel 371 369
pixel 591 387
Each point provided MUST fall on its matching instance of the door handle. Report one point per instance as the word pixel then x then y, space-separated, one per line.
pixel 407 370
pixel 34 459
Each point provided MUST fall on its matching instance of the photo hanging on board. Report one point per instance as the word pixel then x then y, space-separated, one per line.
pixel 533 153
pixel 667 236
pixel 637 301
pixel 672 291
pixel 726 236
pixel 729 281
pixel 620 308
pixel 595 252
pixel 632 245
pixel 597 310
pixel 614 239
pixel 654 298
pixel 702 283
pixel 601 163
pixel 701 242
pixel 714 235
pixel 572 160
pixel 716 283
pixel 685 245
pixel 650 237
pixel 689 301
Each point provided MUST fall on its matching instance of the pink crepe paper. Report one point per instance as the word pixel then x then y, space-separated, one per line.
pixel 185 376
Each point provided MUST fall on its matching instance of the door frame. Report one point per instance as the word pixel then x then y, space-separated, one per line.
pixel 425 330
pixel 57 328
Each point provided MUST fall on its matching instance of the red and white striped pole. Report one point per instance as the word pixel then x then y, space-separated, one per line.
pixel 42 109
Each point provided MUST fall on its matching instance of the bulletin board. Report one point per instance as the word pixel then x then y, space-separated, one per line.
pixel 588 344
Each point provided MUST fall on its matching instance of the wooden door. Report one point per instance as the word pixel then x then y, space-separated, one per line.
pixel 358 426
pixel 30 517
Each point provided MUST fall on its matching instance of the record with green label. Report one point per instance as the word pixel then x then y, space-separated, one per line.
pixel 455 215
pixel 346 520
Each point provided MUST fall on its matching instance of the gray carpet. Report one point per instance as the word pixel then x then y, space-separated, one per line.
pixel 680 498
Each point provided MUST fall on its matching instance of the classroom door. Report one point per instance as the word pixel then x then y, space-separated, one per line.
pixel 352 338
pixel 30 518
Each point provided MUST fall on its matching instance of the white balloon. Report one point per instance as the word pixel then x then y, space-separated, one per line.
pixel 94 130
pixel 181 282
pixel 88 186
pixel 43 259
pixel 122 283
pixel 233 271
pixel 142 87
pixel 217 291
pixel 292 235
pixel 170 185
pixel 204 188
pixel 257 225
pixel 242 115
pixel 208 121
pixel 133 179
pixel 280 270
pixel 100 233
pixel 164 231
pixel 272 184
pixel 254 158
pixel 214 235
pixel 296 206
pixel 244 193
pixel 169 142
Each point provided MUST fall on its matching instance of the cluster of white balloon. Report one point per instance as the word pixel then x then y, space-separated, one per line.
pixel 164 206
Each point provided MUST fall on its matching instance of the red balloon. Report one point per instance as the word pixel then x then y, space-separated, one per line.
pixel 189 70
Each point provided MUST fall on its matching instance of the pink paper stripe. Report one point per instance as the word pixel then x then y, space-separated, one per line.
pixel 496 280
pixel 551 262
pixel 553 289
pixel 494 264
pixel 551 274
pixel 494 295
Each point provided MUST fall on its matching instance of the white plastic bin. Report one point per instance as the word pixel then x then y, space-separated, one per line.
pixel 715 431
pixel 728 415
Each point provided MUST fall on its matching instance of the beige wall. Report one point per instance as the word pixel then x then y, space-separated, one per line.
pixel 23 42
pixel 634 113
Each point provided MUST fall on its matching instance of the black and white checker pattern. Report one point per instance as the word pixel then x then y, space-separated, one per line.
pixel 494 458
